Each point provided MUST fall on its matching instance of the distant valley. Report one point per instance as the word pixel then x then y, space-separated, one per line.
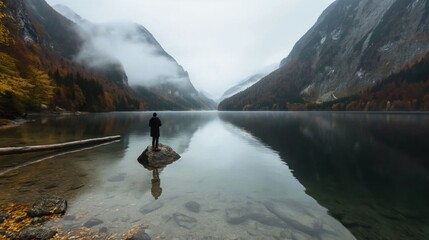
pixel 359 56
pixel 247 82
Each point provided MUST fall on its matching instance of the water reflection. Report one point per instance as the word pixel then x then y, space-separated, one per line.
pixel 369 170
pixel 243 175
pixel 156 184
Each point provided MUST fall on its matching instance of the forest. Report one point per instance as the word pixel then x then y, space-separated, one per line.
pixel 34 78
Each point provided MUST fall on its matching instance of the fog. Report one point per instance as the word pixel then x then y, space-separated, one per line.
pixel 143 59
pixel 219 42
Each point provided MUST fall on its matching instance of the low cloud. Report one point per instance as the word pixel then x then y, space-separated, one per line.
pixel 143 59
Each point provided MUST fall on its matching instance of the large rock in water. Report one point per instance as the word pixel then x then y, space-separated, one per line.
pixel 152 159
pixel 48 206
pixel 39 233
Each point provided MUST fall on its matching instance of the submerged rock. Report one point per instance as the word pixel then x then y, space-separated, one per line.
pixel 150 207
pixel 184 221
pixel 37 220
pixel 48 206
pixel 152 159
pixel 39 233
pixel 313 228
pixel 239 215
pixel 140 235
pixel 193 206
pixel 3 217
pixel 92 222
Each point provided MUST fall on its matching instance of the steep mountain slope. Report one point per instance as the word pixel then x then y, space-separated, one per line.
pixel 134 46
pixel 248 82
pixel 38 42
pixel 406 90
pixel 241 86
pixel 353 46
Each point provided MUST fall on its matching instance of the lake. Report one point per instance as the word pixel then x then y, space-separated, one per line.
pixel 241 175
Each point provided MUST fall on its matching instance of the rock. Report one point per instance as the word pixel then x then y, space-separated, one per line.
pixel 236 215
pixel 37 220
pixel 158 159
pixel 20 219
pixel 184 221
pixel 240 215
pixel 103 230
pixel 140 235
pixel 151 207
pixel 3 217
pixel 48 206
pixel 39 233
pixel 193 206
pixel 92 222
pixel 2 232
pixel 286 215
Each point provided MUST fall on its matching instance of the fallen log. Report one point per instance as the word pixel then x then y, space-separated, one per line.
pixel 86 142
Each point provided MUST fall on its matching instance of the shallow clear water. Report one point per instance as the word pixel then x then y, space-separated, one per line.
pixel 264 175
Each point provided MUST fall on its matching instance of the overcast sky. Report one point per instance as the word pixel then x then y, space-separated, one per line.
pixel 219 42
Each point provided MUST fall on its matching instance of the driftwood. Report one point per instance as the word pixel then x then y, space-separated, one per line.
pixel 86 142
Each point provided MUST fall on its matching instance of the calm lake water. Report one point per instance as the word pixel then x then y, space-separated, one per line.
pixel 263 175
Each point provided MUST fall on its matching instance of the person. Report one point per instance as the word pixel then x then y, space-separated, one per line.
pixel 154 125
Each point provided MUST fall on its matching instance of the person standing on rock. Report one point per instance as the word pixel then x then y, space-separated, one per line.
pixel 154 125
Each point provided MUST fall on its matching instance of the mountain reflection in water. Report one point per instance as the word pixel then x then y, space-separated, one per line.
pixel 369 170
pixel 261 175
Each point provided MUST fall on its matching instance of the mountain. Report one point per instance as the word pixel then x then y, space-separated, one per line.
pixel 246 83
pixel 37 66
pixel 156 76
pixel 243 85
pixel 354 46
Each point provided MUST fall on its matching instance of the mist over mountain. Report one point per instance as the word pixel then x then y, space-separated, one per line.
pixel 50 62
pixel 37 67
pixel 150 69
pixel 354 46
pixel 247 82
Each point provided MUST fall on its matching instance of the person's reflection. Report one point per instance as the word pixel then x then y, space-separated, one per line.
pixel 156 184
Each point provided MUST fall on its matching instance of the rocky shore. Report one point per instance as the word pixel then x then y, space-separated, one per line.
pixel 7 123
pixel 15 121
pixel 23 222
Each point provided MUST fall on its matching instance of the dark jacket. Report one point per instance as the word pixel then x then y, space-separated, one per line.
pixel 154 125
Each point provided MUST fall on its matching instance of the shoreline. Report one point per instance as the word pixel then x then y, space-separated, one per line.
pixel 7 123
pixel 30 117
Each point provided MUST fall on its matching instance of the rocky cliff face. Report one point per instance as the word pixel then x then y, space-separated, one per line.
pixel 352 46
